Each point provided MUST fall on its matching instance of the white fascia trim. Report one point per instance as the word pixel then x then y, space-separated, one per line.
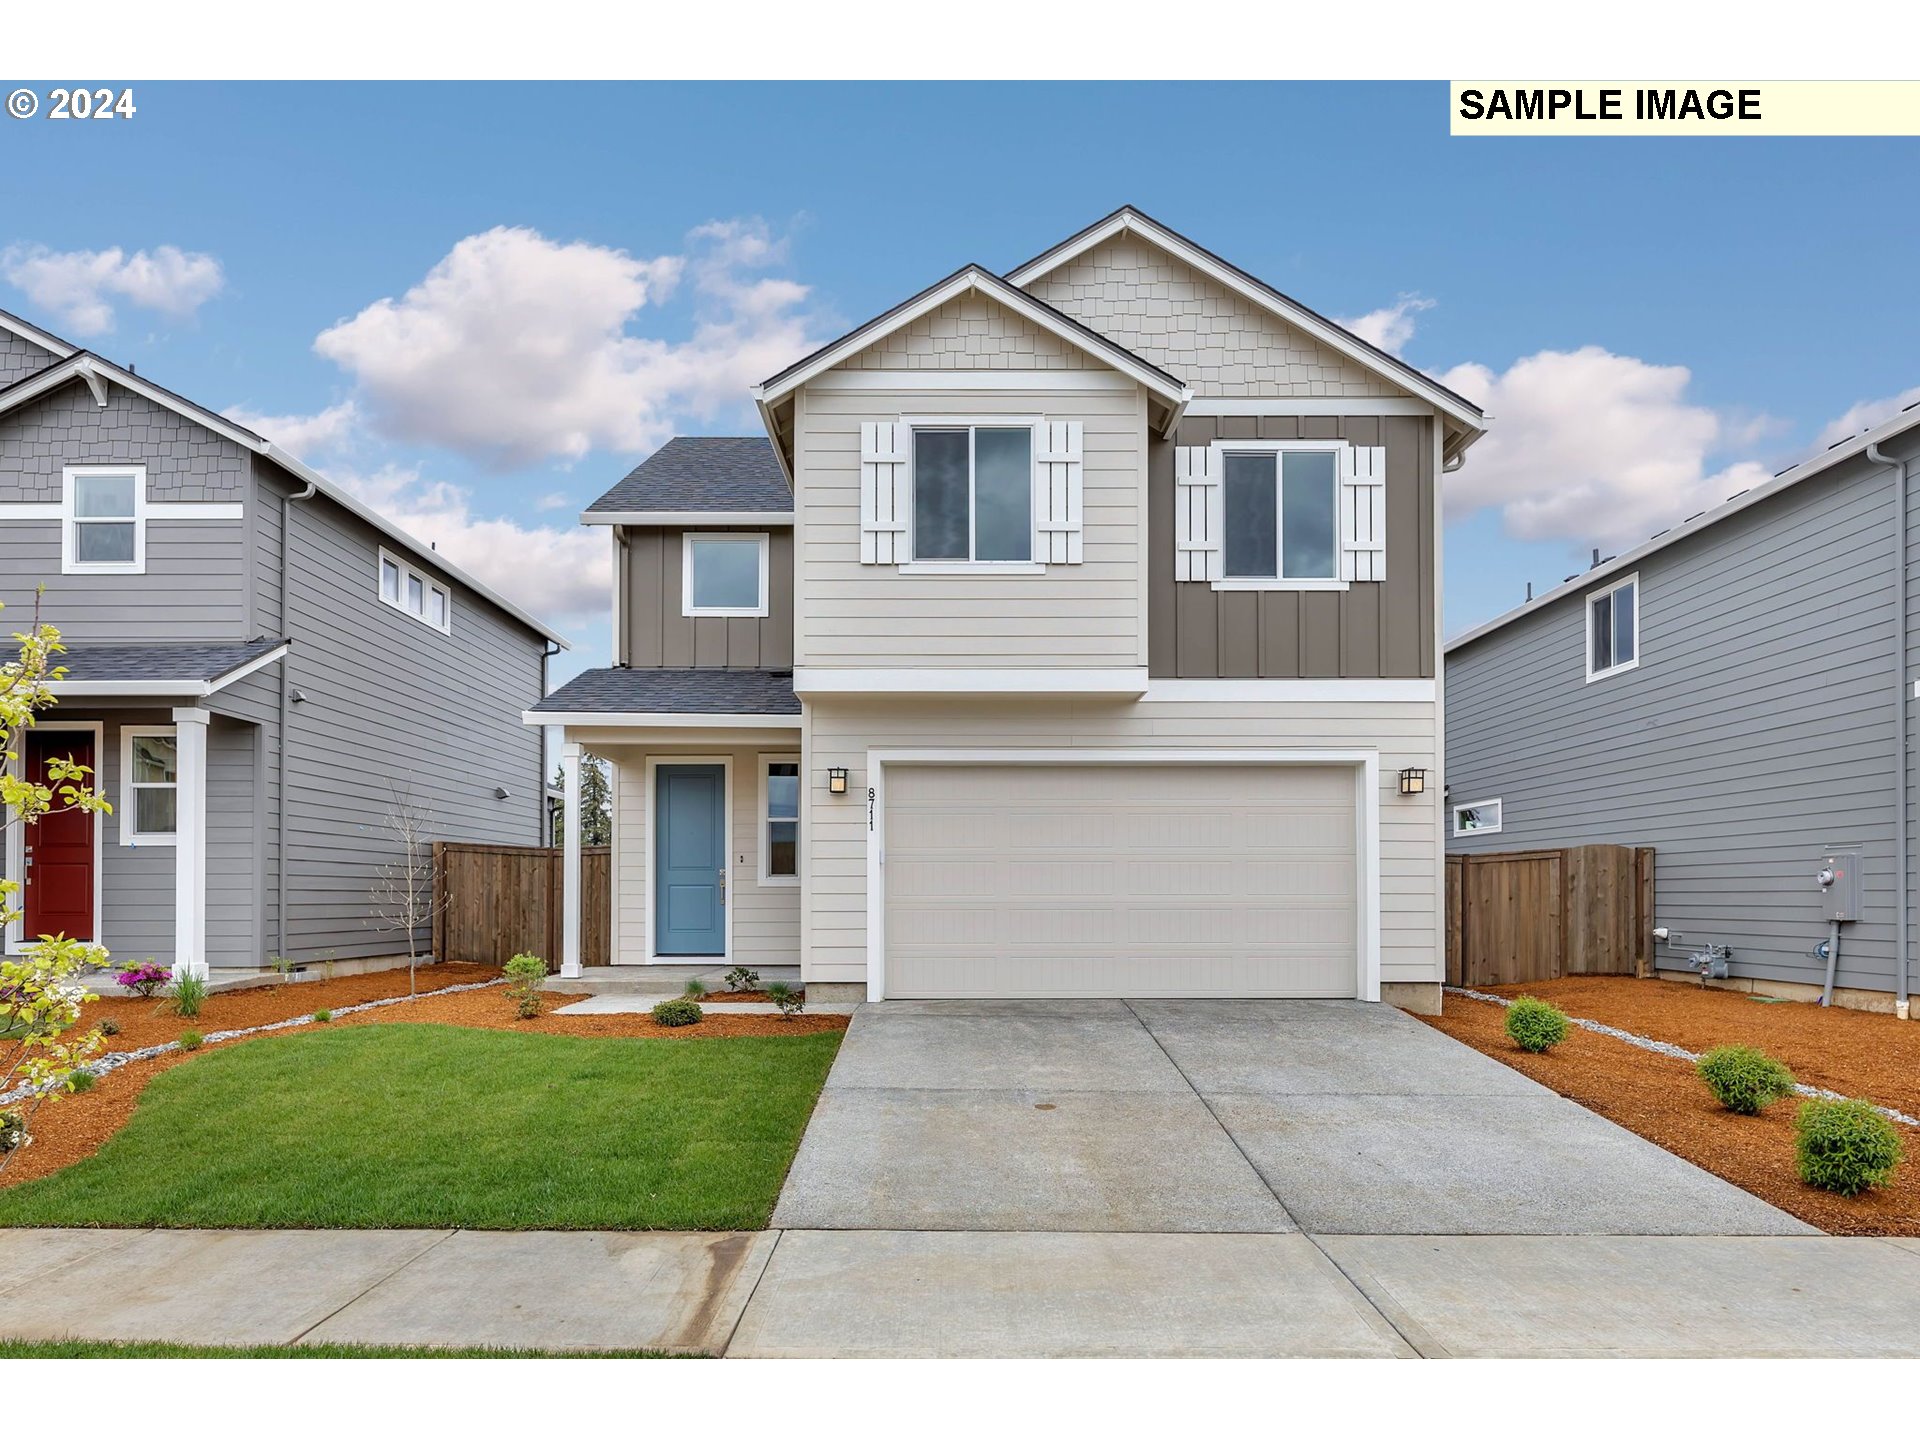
pixel 1366 767
pixel 780 519
pixel 49 379
pixel 240 672
pixel 194 510
pixel 1316 405
pixel 32 333
pixel 31 510
pixel 1325 331
pixel 1037 680
pixel 999 291
pixel 1403 692
pixel 169 689
pixel 949 381
pixel 626 721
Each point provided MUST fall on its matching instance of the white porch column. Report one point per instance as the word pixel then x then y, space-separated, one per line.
pixel 190 843
pixel 570 879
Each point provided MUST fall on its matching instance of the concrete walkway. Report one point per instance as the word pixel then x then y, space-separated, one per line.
pixel 1002 1293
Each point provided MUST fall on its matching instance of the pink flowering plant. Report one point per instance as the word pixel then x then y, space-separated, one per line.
pixel 144 980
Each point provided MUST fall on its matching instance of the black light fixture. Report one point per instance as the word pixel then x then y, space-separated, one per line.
pixel 1413 782
pixel 837 780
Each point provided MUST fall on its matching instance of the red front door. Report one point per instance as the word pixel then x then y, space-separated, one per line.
pixel 59 848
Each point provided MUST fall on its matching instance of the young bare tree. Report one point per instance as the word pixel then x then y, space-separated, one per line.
pixel 403 892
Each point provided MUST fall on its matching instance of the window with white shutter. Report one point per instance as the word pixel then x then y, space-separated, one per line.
pixel 1363 512
pixel 1057 483
pixel 1196 513
pixel 1280 515
pixel 884 502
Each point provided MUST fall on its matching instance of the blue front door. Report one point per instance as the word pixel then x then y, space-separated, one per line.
pixel 690 861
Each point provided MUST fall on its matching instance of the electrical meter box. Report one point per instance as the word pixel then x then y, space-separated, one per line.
pixel 1839 881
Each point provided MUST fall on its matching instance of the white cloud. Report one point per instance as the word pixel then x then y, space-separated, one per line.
pixel 556 500
pixel 516 348
pixel 1391 327
pixel 330 431
pixel 81 286
pixel 1865 415
pixel 1593 448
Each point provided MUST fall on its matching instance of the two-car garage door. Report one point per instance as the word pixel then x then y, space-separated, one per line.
pixel 1120 880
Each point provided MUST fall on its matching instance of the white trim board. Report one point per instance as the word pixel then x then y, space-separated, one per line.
pixel 948 382
pixel 1293 691
pixel 1366 767
pixel 1032 680
pixel 16 942
pixel 653 764
pixel 1315 405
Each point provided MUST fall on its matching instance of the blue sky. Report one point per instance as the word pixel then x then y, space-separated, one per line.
pixel 1653 323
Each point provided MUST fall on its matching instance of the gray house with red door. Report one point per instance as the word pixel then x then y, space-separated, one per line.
pixel 257 666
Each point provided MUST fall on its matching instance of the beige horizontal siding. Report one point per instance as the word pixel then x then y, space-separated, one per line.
pixel 841 734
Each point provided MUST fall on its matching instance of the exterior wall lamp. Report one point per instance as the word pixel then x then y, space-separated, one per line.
pixel 1413 782
pixel 837 780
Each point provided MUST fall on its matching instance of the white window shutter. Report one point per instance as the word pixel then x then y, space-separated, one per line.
pixel 1199 507
pixel 1363 512
pixel 1058 470
pixel 883 492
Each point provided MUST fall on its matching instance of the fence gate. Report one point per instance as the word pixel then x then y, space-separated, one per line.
pixel 491 902
pixel 1540 914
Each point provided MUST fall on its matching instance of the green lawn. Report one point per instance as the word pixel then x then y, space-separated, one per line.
pixel 164 1350
pixel 418 1126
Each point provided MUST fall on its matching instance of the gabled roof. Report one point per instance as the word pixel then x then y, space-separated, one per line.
pixel 1837 453
pixel 968 279
pixel 163 668
pixel 1470 418
pixel 97 371
pixel 26 330
pixel 728 477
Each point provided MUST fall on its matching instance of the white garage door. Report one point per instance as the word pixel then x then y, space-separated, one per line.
pixel 1120 880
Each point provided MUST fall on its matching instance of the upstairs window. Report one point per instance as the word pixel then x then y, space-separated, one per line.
pixel 973 494
pixel 104 522
pixel 150 784
pixel 723 574
pixel 1613 628
pixel 415 593
pixel 1281 515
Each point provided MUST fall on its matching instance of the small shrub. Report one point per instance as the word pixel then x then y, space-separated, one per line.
pixel 1534 1025
pixel 109 1026
pixel 790 1000
pixel 144 980
pixel 13 1130
pixel 1744 1079
pixel 188 994
pixel 281 966
pixel 675 1013
pixel 322 1016
pixel 81 1081
pixel 191 1039
pixel 1845 1146
pixel 694 990
pixel 741 978
pixel 526 976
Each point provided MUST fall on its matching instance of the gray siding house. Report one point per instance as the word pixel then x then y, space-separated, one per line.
pixel 1735 692
pixel 1069 632
pixel 256 663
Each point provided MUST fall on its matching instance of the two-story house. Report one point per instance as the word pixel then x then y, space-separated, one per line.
pixel 1072 632
pixel 1734 692
pixel 258 668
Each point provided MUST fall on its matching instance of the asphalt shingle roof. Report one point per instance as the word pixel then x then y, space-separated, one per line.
pixel 620 691
pixel 161 662
pixel 703 472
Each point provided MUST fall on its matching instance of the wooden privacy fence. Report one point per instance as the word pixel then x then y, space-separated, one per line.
pixel 492 902
pixel 1541 914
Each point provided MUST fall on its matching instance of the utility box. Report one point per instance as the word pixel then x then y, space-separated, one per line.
pixel 1839 881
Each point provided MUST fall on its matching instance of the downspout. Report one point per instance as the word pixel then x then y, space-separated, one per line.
pixel 1901 1004
pixel 286 686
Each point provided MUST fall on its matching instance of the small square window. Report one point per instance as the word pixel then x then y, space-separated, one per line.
pixel 1613 628
pixel 725 575
pixel 105 521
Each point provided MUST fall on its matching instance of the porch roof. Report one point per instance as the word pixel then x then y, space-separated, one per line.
pixel 163 669
pixel 618 695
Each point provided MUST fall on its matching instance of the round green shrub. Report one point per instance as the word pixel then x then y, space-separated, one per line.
pixel 1534 1025
pixel 323 1016
pixel 1845 1146
pixel 109 1026
pixel 1744 1079
pixel 191 1039
pixel 81 1081
pixel 672 1013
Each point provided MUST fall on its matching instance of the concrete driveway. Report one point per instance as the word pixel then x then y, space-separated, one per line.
pixel 1209 1116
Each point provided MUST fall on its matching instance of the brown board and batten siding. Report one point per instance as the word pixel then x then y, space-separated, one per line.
pixel 1371 630
pixel 655 633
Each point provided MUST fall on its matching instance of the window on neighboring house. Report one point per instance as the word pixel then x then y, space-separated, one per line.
pixel 780 820
pixel 973 494
pixel 417 594
pixel 150 784
pixel 1281 513
pixel 723 574
pixel 104 510
pixel 1482 817
pixel 1613 628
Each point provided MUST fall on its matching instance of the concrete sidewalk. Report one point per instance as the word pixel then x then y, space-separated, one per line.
pixel 1002 1293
